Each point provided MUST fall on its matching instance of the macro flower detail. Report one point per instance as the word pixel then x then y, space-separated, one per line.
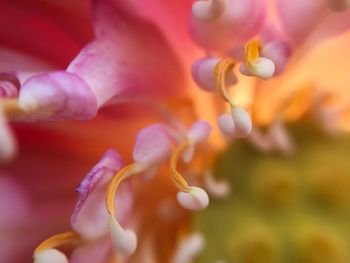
pixel 214 123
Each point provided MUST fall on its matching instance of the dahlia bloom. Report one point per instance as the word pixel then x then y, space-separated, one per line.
pixel 144 87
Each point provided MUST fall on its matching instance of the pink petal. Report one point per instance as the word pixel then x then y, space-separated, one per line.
pixel 152 145
pixel 318 22
pixel 45 29
pixel 242 20
pixel 199 131
pixel 92 252
pixel 129 58
pixel 59 95
pixel 90 215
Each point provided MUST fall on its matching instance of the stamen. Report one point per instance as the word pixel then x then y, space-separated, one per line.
pixel 208 10
pixel 255 65
pixel 124 173
pixel 221 70
pixel 240 124
pixel 252 52
pixel 58 240
pixel 124 239
pixel 190 197
pixel 50 256
pixel 177 178
pixel 46 252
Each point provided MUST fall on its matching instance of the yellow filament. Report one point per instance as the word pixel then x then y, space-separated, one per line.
pixel 124 173
pixel 58 240
pixel 223 68
pixel 252 51
pixel 11 108
pixel 177 178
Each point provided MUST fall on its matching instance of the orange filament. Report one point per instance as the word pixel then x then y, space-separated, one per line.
pixel 177 178
pixel 252 51
pixel 11 108
pixel 58 240
pixel 124 173
pixel 223 68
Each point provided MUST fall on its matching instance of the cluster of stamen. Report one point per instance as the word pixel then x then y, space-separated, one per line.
pixel 190 197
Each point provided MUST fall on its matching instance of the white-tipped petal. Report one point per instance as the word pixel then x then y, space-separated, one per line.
pixel 226 124
pixel 242 123
pixel 195 199
pixel 50 256
pixel 190 247
pixel 208 10
pixel 125 240
pixel 198 132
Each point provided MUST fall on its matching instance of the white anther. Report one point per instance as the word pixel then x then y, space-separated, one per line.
pixel 189 248
pixel 215 187
pixel 226 124
pixel 242 122
pixel 263 68
pixel 50 256
pixel 198 132
pixel 195 199
pixel 125 240
pixel 208 10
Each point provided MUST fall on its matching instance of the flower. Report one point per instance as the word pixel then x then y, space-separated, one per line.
pixel 73 89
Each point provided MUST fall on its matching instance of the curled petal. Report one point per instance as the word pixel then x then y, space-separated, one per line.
pixel 9 85
pixel 127 60
pixel 195 199
pixel 152 145
pixel 198 132
pixel 90 216
pixel 58 95
pixel 241 20
pixel 50 256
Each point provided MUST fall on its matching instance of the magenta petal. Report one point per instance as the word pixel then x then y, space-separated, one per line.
pixel 152 145
pixel 92 252
pixel 130 58
pixel 58 95
pixel 90 215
